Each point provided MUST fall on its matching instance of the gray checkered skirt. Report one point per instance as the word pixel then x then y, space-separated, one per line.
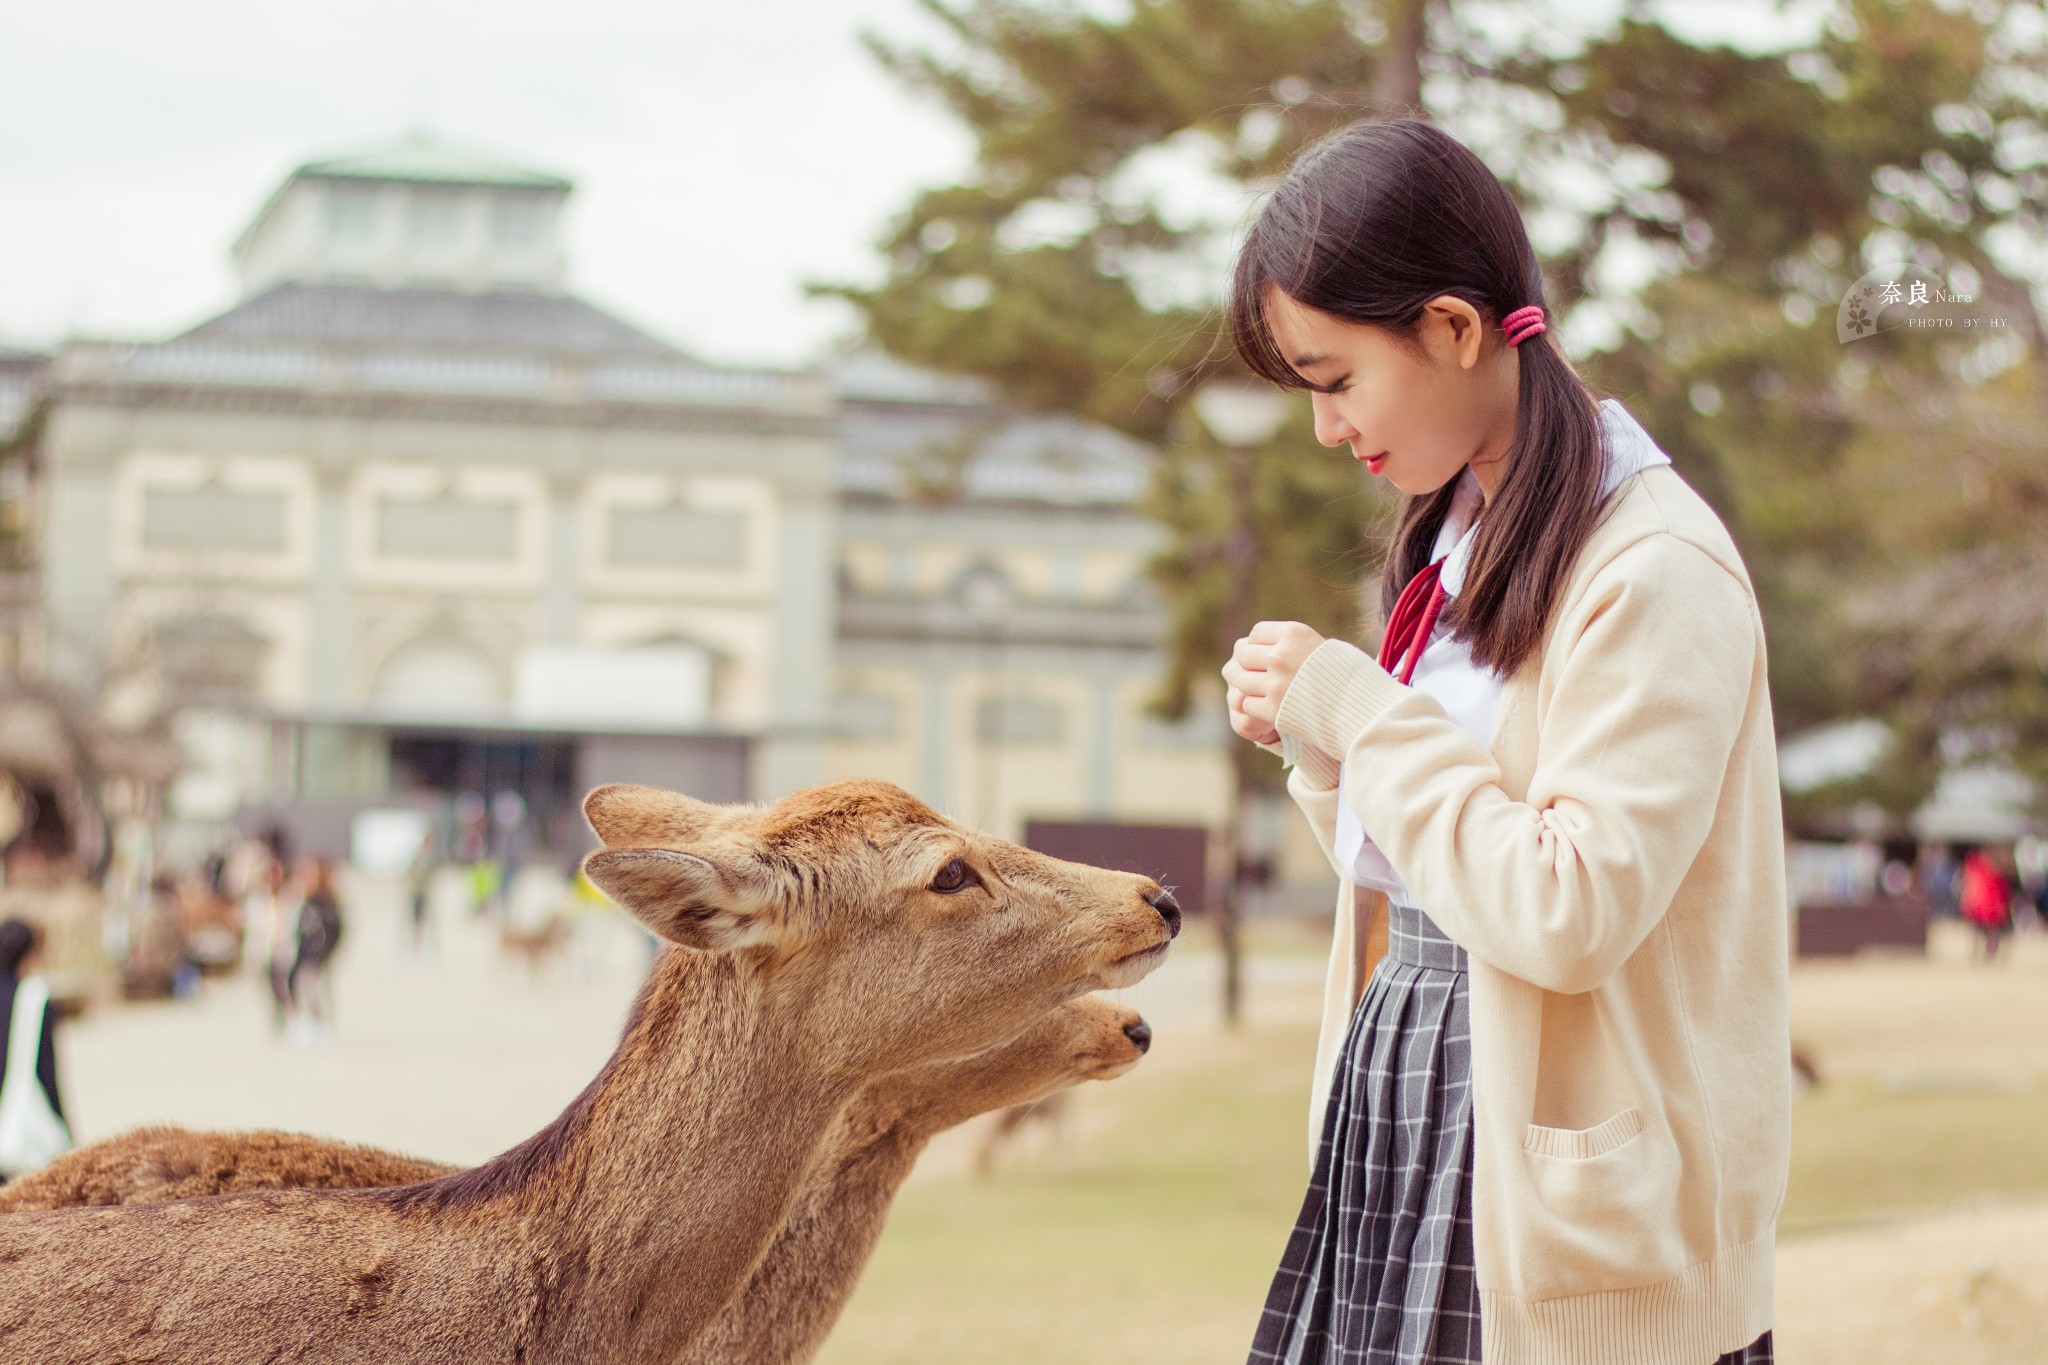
pixel 1379 1268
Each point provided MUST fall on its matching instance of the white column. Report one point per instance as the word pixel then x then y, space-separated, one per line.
pixel 330 630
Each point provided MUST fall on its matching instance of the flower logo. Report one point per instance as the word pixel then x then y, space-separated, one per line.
pixel 1889 297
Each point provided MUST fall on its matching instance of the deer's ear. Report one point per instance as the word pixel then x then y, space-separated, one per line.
pixel 700 901
pixel 624 816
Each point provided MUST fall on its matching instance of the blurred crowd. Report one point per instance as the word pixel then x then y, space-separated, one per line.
pixel 257 905
pixel 1997 889
pixel 253 905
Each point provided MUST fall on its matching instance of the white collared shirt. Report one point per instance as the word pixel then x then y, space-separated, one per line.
pixel 1469 694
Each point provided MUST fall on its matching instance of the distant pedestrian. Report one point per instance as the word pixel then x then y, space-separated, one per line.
pixel 1986 898
pixel 1944 882
pixel 509 838
pixel 311 981
pixel 275 907
pixel 32 1126
pixel 419 885
pixel 2030 862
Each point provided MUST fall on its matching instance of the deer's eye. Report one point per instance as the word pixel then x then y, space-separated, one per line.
pixel 954 876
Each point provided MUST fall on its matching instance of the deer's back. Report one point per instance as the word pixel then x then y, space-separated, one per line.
pixel 154 1165
pixel 258 1277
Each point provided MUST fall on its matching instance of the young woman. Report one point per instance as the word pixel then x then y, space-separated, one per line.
pixel 1552 1126
pixel 32 1125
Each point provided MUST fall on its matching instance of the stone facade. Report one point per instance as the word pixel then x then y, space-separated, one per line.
pixel 998 639
pixel 378 533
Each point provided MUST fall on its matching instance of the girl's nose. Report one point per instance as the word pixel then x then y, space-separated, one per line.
pixel 1331 428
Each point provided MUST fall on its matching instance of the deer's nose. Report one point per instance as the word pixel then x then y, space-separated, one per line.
pixel 1140 1034
pixel 1169 910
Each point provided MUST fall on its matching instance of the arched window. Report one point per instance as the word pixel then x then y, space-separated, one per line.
pixel 211 659
pixel 440 676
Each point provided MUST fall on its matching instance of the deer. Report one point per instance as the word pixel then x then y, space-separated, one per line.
pixel 546 940
pixel 844 933
pixel 786 1310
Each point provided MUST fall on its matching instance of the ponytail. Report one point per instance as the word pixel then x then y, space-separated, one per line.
pixel 1537 521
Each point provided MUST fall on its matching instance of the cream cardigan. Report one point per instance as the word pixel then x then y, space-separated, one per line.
pixel 1613 864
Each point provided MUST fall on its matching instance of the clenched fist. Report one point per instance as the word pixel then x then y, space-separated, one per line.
pixel 1261 667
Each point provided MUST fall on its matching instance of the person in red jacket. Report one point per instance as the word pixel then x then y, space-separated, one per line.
pixel 1986 899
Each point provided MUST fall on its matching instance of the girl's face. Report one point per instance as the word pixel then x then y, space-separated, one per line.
pixel 1413 420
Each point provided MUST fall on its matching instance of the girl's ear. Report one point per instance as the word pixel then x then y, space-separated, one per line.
pixel 624 816
pixel 1459 328
pixel 707 900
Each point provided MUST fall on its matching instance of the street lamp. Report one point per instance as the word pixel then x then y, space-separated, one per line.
pixel 1242 417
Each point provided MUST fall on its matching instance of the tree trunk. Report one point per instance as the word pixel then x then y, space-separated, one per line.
pixel 1397 83
pixel 1230 913
pixel 1237 620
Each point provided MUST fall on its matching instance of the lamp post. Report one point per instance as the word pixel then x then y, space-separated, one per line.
pixel 1242 417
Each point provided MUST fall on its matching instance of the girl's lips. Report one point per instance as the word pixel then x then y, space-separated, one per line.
pixel 1373 462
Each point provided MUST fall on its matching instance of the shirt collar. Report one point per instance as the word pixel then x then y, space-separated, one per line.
pixel 1630 450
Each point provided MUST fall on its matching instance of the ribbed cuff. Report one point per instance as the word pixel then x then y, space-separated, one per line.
pixel 1318 770
pixel 1339 691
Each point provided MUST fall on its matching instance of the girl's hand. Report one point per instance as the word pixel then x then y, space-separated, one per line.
pixel 1257 731
pixel 1261 667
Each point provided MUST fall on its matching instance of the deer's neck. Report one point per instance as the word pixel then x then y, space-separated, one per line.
pixel 789 1304
pixel 810 1271
pixel 649 1203
pixel 920 1103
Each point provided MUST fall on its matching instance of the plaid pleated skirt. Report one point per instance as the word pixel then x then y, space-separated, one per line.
pixel 1379 1267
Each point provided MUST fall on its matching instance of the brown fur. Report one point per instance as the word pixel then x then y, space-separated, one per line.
pixel 615 1236
pixel 161 1164
pixel 787 1308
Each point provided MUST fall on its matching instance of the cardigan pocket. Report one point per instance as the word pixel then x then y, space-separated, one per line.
pixel 1608 1197
pixel 1580 1144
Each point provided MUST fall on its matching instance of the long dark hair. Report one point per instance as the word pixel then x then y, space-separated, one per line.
pixel 1370 224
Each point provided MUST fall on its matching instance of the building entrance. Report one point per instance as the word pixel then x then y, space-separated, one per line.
pixel 517 795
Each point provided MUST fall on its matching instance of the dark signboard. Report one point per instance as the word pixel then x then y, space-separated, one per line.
pixel 1177 856
pixel 1893 922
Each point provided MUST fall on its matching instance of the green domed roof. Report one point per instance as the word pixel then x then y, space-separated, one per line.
pixel 420 158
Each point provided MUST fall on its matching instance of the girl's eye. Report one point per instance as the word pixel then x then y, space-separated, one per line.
pixel 954 876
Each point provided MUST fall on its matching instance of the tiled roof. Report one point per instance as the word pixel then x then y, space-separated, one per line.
pixel 425 159
pixel 875 376
pixel 1048 458
pixel 357 315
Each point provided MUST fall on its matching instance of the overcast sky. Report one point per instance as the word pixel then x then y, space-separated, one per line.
pixel 724 153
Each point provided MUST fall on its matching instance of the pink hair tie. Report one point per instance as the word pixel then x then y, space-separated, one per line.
pixel 1522 324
